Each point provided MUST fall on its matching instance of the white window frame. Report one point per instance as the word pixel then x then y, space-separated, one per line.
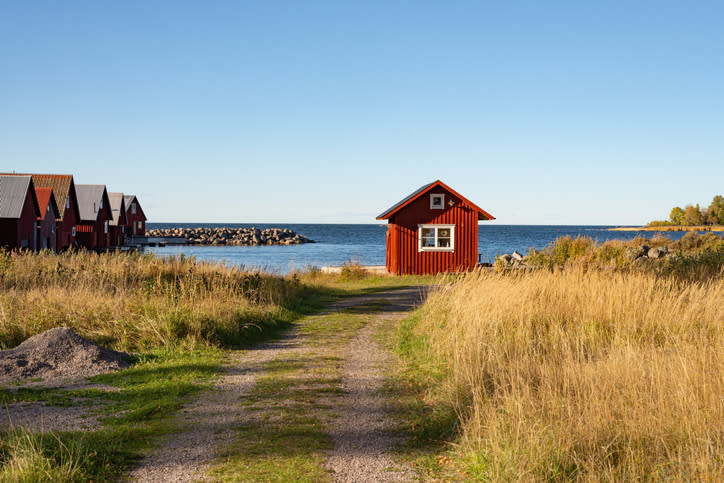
pixel 434 196
pixel 133 208
pixel 67 202
pixel 105 226
pixel 436 248
pixel 72 231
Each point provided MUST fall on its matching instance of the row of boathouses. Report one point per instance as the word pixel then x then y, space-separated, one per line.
pixel 50 211
pixel 433 230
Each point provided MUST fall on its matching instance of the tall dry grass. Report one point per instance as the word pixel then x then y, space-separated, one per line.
pixel 587 376
pixel 133 301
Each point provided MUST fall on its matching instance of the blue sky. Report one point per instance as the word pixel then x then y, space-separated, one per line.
pixel 274 111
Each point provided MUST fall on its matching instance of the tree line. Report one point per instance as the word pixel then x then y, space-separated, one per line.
pixel 694 215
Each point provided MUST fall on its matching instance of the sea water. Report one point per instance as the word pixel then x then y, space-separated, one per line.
pixel 336 244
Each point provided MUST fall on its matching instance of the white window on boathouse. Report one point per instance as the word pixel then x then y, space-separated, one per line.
pixel 436 238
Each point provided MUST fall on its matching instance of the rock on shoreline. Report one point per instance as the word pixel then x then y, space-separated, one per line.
pixel 233 236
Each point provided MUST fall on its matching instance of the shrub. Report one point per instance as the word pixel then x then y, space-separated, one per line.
pixel 353 271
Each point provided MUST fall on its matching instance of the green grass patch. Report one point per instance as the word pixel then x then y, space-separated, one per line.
pixel 285 438
pixel 429 422
pixel 148 396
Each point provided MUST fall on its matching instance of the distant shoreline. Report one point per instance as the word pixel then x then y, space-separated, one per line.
pixel 670 228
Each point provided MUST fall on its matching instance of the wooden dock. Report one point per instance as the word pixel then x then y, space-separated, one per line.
pixel 154 241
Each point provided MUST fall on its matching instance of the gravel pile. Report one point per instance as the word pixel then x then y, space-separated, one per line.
pixel 55 354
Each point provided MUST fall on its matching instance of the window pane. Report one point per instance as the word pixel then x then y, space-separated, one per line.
pixel 443 237
pixel 427 237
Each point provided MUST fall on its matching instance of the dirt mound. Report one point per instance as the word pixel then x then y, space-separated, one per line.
pixel 58 353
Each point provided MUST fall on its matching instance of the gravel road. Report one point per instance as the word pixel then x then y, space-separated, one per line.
pixel 362 432
pixel 206 424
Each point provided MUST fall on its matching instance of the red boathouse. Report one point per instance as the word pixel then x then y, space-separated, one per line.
pixel 93 229
pixel 118 222
pixel 18 212
pixel 46 221
pixel 433 230
pixel 135 217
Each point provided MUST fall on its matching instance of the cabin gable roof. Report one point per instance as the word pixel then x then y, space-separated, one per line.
pixel 46 202
pixel 13 193
pixel 90 197
pixel 63 186
pixel 387 214
pixel 118 209
pixel 129 200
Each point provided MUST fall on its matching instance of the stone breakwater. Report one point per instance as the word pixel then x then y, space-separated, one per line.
pixel 233 236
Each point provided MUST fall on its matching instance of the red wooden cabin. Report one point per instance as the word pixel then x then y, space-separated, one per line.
pixel 18 212
pixel 93 229
pixel 135 218
pixel 118 220
pixel 433 230
pixel 46 221
pixel 65 196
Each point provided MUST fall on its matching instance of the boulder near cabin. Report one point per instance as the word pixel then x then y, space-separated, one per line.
pixel 433 230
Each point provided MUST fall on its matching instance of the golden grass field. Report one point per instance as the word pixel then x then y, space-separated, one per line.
pixel 585 375
pixel 136 302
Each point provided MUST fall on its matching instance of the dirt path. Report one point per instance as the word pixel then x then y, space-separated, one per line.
pixel 207 423
pixel 361 431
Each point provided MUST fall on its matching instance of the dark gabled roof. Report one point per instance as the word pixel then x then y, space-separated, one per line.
pixel 13 191
pixel 118 207
pixel 89 200
pixel 60 183
pixel 46 200
pixel 129 199
pixel 482 214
